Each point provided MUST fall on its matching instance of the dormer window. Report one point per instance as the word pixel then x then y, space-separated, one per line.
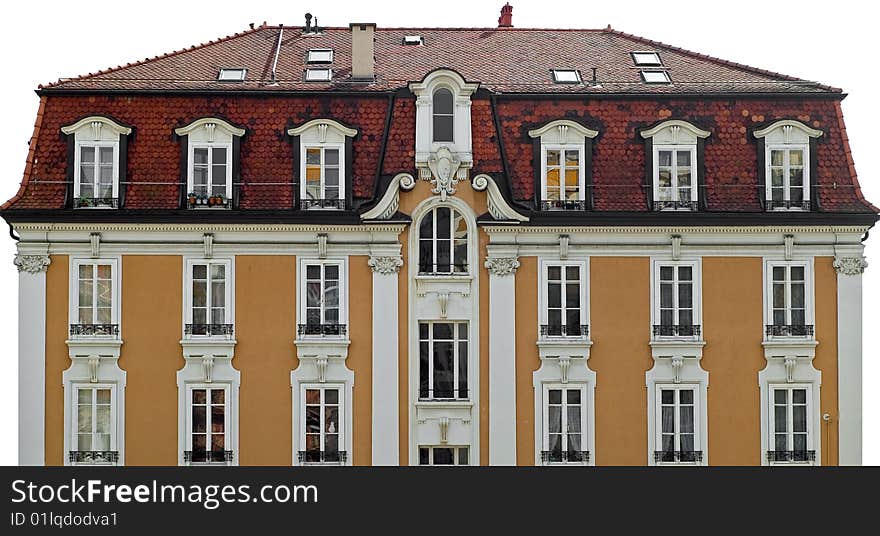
pixel 674 149
pixel 786 148
pixel 97 146
pixel 322 147
pixel 212 162
pixel 444 116
pixel 564 149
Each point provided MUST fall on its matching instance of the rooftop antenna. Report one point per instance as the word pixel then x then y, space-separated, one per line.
pixel 277 53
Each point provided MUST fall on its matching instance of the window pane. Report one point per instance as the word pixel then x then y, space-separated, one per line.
pixel 331 396
pixel 686 420
pixel 554 419
pixel 443 128
pixel 573 396
pixel 331 157
pixel 443 101
pixel 780 396
pixel 683 158
pixel 799 418
pixel 444 374
pixel 667 396
pixel 552 157
pixel 780 416
pixel 87 155
pixel 777 158
pixel 664 158
pixel 799 396
pixel 443 456
pixel 796 158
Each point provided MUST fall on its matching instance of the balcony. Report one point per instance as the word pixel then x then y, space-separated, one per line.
pixel 678 456
pixel 688 206
pixel 322 330
pixel 205 201
pixel 220 457
pixel 565 456
pixel 563 204
pixel 94 330
pixel 782 456
pixel 209 330
pixel 95 457
pixel 676 330
pixel 563 330
pixel 788 205
pixel 789 330
pixel 331 457
pixel 337 204
pixel 96 202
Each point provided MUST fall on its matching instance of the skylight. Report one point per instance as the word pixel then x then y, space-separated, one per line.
pixel 566 76
pixel 655 77
pixel 317 75
pixel 231 75
pixel 413 40
pixel 320 55
pixel 646 58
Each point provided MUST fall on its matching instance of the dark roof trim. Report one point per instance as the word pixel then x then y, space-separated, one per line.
pixel 671 96
pixel 693 219
pixel 219 92
pixel 182 216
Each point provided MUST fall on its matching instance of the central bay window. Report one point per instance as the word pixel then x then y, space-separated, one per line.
pixel 444 455
pixel 443 242
pixel 322 418
pixel 207 425
pixel 563 149
pixel 673 150
pixel 791 437
pixel 677 430
pixel 97 147
pixel 212 148
pixel 789 296
pixel 323 150
pixel 443 361
pixel 209 294
pixel 94 298
pixel 564 425
pixel 322 311
pixel 564 300
pixel 787 150
pixel 676 299
pixel 94 426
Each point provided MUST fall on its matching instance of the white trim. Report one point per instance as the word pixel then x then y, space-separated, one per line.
pixel 786 168
pixel 229 287
pixel 543 264
pixel 587 426
pixel 308 125
pixel 385 263
pixel 86 122
pixel 114 378
pixel 811 132
pixel 204 122
pixel 322 182
pixel 573 125
pixel 498 206
pixel 696 263
pixel 849 366
pixel 809 295
pixel 230 418
pixel 115 263
pixel 32 365
pixel 502 367
pixel 190 166
pixel 461 146
pixel 675 149
pixel 811 380
pixel 301 294
pixel 77 165
pixel 344 419
pixel 694 130
pixel 390 202
pixel 656 417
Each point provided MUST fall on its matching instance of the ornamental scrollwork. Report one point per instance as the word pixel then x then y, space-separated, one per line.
pixel 502 266
pixel 386 264
pixel 32 264
pixel 850 265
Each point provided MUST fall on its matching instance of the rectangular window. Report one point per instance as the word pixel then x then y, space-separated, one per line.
pixel 677 425
pixel 209 296
pixel 676 301
pixel 674 177
pixel 564 425
pixel 208 424
pixel 565 301
pixel 788 301
pixel 211 171
pixel 322 172
pixel 322 425
pixel 566 76
pixel 788 185
pixel 443 360
pixel 444 456
pixel 93 298
pixel 443 242
pixel 94 437
pixel 563 177
pixel 655 77
pixel 231 75
pixel 322 308
pixel 646 58
pixel 97 175
pixel 320 55
pixel 318 75
pixel 791 439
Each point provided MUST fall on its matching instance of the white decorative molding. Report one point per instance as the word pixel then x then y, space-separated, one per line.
pixel 502 266
pixel 444 166
pixel 208 244
pixel 95 242
pixel 32 264
pixel 676 247
pixel 385 261
pixel 443 423
pixel 788 245
pixel 564 241
pixel 96 124
pixel 385 264
pixel 850 265
pixel 786 126
pixel 209 126
pixel 498 206
pixel 562 129
pixel 321 126
pixel 322 245
pixel 443 300
pixel 390 202
pixel 785 368
pixel 675 131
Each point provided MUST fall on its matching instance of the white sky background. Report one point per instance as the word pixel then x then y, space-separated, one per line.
pixel 828 42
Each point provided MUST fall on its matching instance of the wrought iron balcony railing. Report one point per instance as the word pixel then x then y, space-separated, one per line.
pixel 789 205
pixel 225 330
pixel 208 456
pixel 692 206
pixel 791 455
pixel 96 202
pixel 676 330
pixel 789 330
pixel 564 330
pixel 338 204
pixel 94 330
pixel 322 456
pixel 563 204
pixel 93 456
pixel 565 456
pixel 322 329
pixel 678 456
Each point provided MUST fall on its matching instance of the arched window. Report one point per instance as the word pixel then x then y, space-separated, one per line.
pixel 443 242
pixel 444 113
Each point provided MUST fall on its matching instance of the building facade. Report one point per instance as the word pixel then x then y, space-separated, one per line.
pixel 500 246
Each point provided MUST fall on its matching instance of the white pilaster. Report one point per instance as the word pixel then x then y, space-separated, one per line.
pixel 31 358
pixel 502 360
pixel 386 433
pixel 849 357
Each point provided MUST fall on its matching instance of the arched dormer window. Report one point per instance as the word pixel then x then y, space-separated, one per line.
pixel 787 151
pixel 564 149
pixel 443 115
pixel 211 162
pixel 323 151
pixel 97 149
pixel 443 242
pixel 674 148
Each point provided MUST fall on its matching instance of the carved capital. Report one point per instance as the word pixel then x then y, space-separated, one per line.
pixel 32 264
pixel 386 264
pixel 850 265
pixel 502 265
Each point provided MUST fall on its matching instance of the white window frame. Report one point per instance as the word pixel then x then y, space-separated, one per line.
pixel 581 169
pixel 342 440
pixel 543 298
pixel 560 74
pixel 223 75
pixel 318 74
pixel 656 172
pixel 675 135
pixel 787 134
pixel 210 146
pixel 313 60
pixel 456 362
pixel 304 147
pixel 811 418
pixel 665 75
pixel 786 178
pixel 434 240
pixel 698 421
pixel 96 131
pixel 456 455
pixel 636 54
pixel 229 312
pixel 227 419
pixel 115 289
pixel 453 93
pixel 302 294
pixel 696 292
pixel 77 170
pixel 585 412
pixel 462 91
pixel 809 293
pixel 74 417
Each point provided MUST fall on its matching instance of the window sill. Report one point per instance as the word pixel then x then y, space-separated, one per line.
pixel 445 402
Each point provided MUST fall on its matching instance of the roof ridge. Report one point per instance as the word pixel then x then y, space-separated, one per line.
pixel 144 61
pixel 721 61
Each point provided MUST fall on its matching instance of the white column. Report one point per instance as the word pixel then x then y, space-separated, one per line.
pixel 31 358
pixel 502 360
pixel 849 357
pixel 386 441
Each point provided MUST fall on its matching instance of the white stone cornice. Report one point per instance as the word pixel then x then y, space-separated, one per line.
pixel 32 264
pixel 502 266
pixel 850 265
pixel 386 264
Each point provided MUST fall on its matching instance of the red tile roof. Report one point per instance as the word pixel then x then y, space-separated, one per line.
pixel 510 60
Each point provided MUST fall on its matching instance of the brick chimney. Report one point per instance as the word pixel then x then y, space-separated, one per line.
pixel 506 18
pixel 362 50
